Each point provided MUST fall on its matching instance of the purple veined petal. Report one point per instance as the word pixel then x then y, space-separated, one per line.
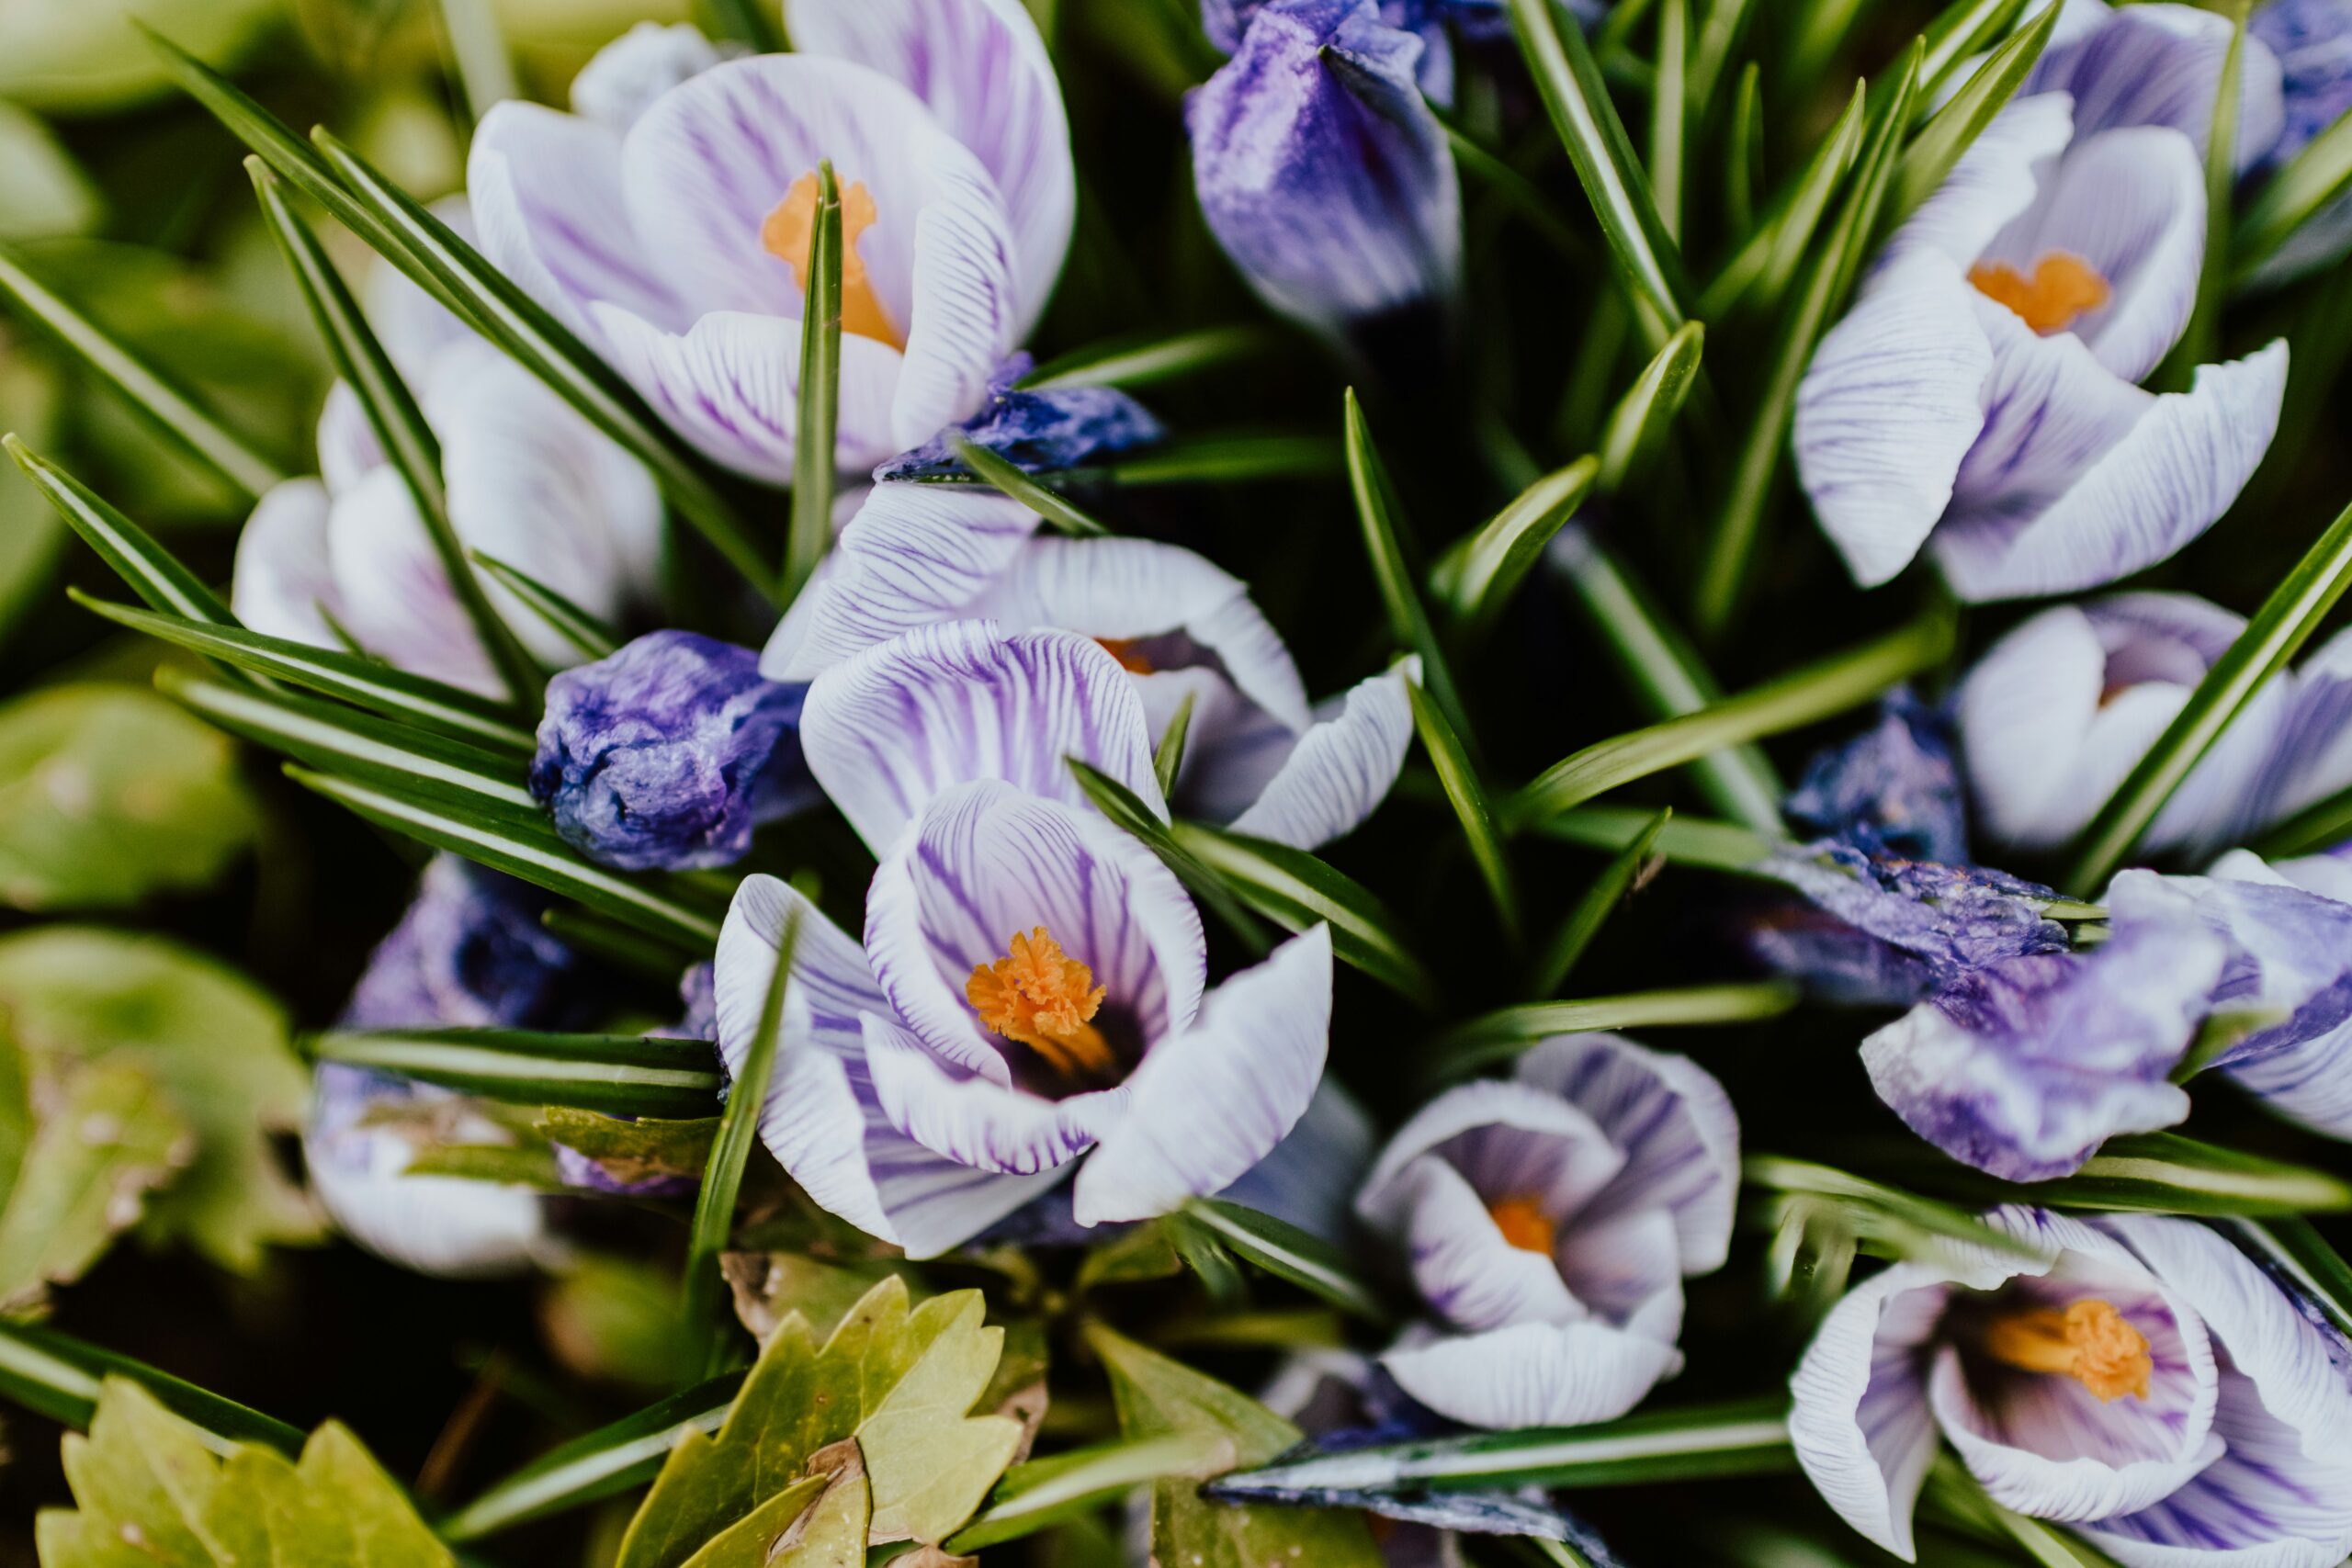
pixel 1859 1420
pixel 2159 484
pixel 1627 1268
pixel 2296 1367
pixel 347 445
pixel 1467 1272
pixel 1212 1101
pixel 1888 409
pixel 1509 1139
pixel 1341 768
pixel 2131 204
pixel 2265 1503
pixel 731 384
pixel 985 863
pixel 1311 1178
pixel 969 1120
pixel 624 78
pixel 2289 959
pixel 547 195
pixel 1995 181
pixel 947 704
pixel 1671 1118
pixel 981 68
pixel 965 316
pixel 1322 171
pixel 395 598
pixel 1534 1375
pixel 2137 66
pixel 2309 1083
pixel 284 575
pixel 411 324
pixel 2311 754
pixel 1136 589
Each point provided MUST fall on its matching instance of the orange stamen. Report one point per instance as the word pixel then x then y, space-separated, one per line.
pixel 2062 289
pixel 1129 653
pixel 1523 1224
pixel 2090 1342
pixel 1042 997
pixel 791 228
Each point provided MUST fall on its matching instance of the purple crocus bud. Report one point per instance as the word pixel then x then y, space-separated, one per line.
pixel 1040 432
pixel 1549 1222
pixel 1323 172
pixel 2134 1377
pixel 1892 791
pixel 1226 23
pixel 666 754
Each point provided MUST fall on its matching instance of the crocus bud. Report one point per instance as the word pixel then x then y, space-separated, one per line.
pixel 666 754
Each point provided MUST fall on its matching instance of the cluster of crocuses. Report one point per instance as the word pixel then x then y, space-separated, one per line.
pixel 1025 1037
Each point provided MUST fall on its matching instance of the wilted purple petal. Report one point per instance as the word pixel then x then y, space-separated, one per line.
pixel 1892 791
pixel 1040 432
pixel 470 953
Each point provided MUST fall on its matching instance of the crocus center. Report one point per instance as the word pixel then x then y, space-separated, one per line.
pixel 2090 1342
pixel 2058 290
pixel 1523 1224
pixel 789 231
pixel 1129 653
pixel 1046 1000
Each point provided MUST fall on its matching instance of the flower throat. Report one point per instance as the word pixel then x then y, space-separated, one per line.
pixel 790 230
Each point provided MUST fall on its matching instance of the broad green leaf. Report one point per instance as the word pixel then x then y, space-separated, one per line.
pixel 61 1377
pixel 1288 1252
pixel 1001 474
pixel 1474 579
pixel 150 1489
pixel 110 795
pixel 632 1149
pixel 1803 697
pixel 771 1286
pixel 82 1153
pixel 213 1044
pixel 614 1318
pixel 897 1383
pixel 1592 910
pixel 1956 126
pixel 1392 568
pixel 1158 1398
pixel 612 1459
pixel 2278 631
pixel 817 407
pixel 1143 360
pixel 1471 805
pixel 1504 1033
pixel 653 1075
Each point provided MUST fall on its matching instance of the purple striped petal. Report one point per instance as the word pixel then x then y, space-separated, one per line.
pixel 1213 1099
pixel 2308 1082
pixel 284 576
pixel 2132 65
pixel 1340 771
pixel 1535 1374
pixel 982 70
pixel 944 705
pixel 1509 1139
pixel 1311 1178
pixel 624 78
pixel 2290 960
pixel 966 317
pixel 1465 1271
pixel 393 596
pixel 1994 182
pixel 975 1122
pixel 2311 757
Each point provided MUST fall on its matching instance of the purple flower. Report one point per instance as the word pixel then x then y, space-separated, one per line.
pixel 1891 791
pixel 2312 41
pixel 1979 398
pixel 666 754
pixel 2140 1382
pixel 1227 22
pixel 1323 172
pixel 1040 432
pixel 668 221
pixel 1030 998
pixel 1549 1222
pixel 470 953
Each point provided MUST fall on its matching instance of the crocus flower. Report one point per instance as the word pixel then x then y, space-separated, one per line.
pixel 1324 173
pixel 1549 1221
pixel 1434 22
pixel 1980 400
pixel 665 754
pixel 527 480
pixel 671 233
pixel 1892 791
pixel 2058 712
pixel 2139 1381
pixel 2312 41
pixel 470 953
pixel 1030 998
pixel 1037 430
pixel 1257 757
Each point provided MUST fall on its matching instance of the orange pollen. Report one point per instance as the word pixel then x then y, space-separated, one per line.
pixel 2090 1342
pixel 2061 289
pixel 1523 1224
pixel 1042 997
pixel 1129 653
pixel 791 228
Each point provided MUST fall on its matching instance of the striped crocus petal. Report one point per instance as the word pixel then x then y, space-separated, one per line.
pixel 394 595
pixel 823 1119
pixel 1535 1374
pixel 625 77
pixel 1322 171
pixel 886 731
pixel 2290 962
pixel 2161 65
pixel 1325 782
pixel 2310 756
pixel 283 585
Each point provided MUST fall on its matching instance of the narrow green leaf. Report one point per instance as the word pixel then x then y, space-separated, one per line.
pixel 532 852
pixel 2292 1245
pixel 415 700
pixel 1142 360
pixel 597 936
pixel 1639 421
pixel 588 633
pixel 2286 200
pixel 1392 568
pixel 1767 262
pixel 1719 35
pixel 1468 796
pixel 1045 1492
pixel 1517 192
pixel 1577 100
pixel 1592 910
pixel 1954 128
pixel 1206 1256
pixel 152 571
pixel 484 68
pixel 2164 1173
pixel 1744 152
pixel 1476 577
pixel 1119 803
pixel 1962 29
pixel 1715 846
pixel 1167 757
pixel 620 1074
pixel 58 1376
pixel 1744 1438
pixel 168 410
pixel 1802 696
pixel 392 413
pixel 1231 457
pixel 1500 1036
pixel 1671 113
pixel 1739 525
pixel 1291 1254
pixel 1954 1490
pixel 610 1460
pixel 1880 1202
pixel 1295 890
pixel 817 407
pixel 2200 340
pixel 2278 629
pixel 1001 474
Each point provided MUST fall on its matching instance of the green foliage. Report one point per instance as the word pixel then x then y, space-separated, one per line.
pixel 633 1150
pixel 79 1151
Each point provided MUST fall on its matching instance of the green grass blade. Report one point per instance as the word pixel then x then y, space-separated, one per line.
pixel 2292 1245
pixel 1128 813
pixel 1955 126
pixel 1001 474
pixel 485 70
pixel 59 1376
pixel 1671 114
pixel 1392 567
pixel 1802 696
pixel 2200 341
pixel 151 571
pixel 1233 457
pixel 594 1466
pixel 1744 153
pixel 1593 909
pixel 587 634
pixel 817 410
pixel 1963 28
pixel 622 1075
pixel 1577 100
pixel 1502 1034
pixel 2164 1173
pixel 2286 621
pixel 1144 360
pixel 1468 795
pixel 1288 1252
pixel 1710 846
pixel 1639 421
pixel 1475 579
pixel 1045 1492
pixel 2300 188
pixel 1758 275
pixel 1719 35
pixel 167 409
pixel 1167 757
